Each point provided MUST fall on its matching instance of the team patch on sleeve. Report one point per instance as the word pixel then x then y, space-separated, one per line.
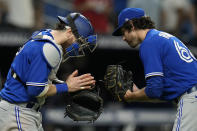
pixel 154 74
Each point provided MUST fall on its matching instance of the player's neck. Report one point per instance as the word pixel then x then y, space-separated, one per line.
pixel 58 37
pixel 142 34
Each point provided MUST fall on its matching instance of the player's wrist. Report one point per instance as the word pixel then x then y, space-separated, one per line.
pixel 61 88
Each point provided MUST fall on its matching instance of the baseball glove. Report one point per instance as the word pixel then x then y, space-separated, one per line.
pixel 84 106
pixel 117 81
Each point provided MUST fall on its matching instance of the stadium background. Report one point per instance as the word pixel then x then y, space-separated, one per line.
pixel 175 16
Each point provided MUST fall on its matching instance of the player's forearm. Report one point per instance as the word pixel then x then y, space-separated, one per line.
pixel 138 96
pixel 51 91
pixel 57 89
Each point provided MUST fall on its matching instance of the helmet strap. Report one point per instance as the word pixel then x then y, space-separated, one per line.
pixel 72 25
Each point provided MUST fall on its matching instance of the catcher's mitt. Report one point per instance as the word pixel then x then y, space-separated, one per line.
pixel 118 81
pixel 84 106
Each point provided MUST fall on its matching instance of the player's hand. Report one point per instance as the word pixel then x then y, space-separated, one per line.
pixel 75 82
pixel 129 92
pixel 135 88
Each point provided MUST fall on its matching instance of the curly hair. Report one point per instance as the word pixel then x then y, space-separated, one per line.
pixel 140 23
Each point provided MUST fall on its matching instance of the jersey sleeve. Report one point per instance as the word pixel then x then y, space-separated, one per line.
pixel 37 75
pixel 154 87
pixel 150 54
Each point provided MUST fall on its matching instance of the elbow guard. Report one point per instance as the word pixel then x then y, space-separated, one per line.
pixel 154 87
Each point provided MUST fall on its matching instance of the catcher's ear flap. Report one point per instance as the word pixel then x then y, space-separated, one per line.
pixel 85 106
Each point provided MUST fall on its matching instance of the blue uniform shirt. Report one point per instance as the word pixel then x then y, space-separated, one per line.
pixel 165 55
pixel 33 70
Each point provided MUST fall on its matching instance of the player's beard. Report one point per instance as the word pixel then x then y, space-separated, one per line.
pixel 133 42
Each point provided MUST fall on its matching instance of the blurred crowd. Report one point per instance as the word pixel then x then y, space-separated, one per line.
pixel 175 16
pixel 22 14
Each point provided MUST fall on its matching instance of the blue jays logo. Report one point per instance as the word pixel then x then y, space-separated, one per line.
pixel 184 52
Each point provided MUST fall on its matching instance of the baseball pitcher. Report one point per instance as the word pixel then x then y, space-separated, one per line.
pixel 170 68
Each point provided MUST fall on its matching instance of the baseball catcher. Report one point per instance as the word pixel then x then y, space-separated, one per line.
pixel 117 81
pixel 84 105
pixel 32 74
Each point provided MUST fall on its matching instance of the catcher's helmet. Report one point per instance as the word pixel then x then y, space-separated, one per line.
pixel 78 23
pixel 84 33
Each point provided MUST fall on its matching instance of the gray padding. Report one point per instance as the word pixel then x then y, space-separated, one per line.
pixel 51 54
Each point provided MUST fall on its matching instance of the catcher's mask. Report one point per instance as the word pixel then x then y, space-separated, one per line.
pixel 81 27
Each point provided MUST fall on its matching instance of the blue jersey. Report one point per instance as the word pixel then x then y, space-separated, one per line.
pixel 32 68
pixel 165 55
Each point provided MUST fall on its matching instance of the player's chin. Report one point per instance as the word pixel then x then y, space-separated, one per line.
pixel 132 45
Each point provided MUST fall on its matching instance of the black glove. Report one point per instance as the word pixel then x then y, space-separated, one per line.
pixel 84 106
pixel 118 81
